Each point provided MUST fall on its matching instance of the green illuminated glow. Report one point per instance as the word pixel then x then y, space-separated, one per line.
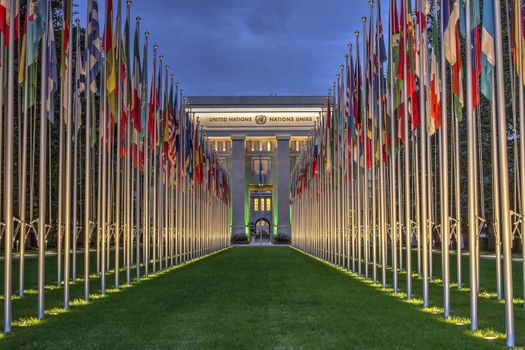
pixel 247 211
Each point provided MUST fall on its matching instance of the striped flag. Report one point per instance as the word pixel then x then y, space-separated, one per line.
pixel 5 17
pixel 136 116
pixel 36 24
pixel 79 85
pixel 52 76
pixel 65 55
pixel 488 56
pixel 450 23
pixel 93 46
pixel 109 47
pixel 435 83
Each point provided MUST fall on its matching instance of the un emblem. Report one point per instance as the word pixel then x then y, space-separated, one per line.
pixel 260 119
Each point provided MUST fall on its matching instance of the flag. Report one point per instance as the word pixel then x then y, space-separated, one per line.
pixel 260 171
pixel 93 56
pixel 328 136
pixel 451 45
pixel 35 27
pixel 136 116
pixel 79 84
pixel 435 82
pixel 476 51
pixel 5 18
pixel 109 47
pixel 382 56
pixel 488 57
pixel 517 10
pixel 52 76
pixel 153 106
pixel 349 111
pixel 450 26
pixel 172 125
pixel 65 55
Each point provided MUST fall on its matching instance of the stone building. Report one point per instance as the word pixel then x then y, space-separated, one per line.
pixel 259 139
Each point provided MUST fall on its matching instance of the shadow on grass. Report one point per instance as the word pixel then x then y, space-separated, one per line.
pixel 488 332
pixel 24 308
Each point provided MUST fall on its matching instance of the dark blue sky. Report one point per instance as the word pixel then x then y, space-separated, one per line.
pixel 251 47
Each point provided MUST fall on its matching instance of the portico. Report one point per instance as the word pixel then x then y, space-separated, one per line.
pixel 258 139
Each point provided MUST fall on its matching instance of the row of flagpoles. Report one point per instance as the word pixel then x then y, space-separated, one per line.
pixel 381 174
pixel 125 172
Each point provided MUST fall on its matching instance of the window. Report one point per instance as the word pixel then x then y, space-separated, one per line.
pixel 256 204
pixel 268 204
pixel 261 164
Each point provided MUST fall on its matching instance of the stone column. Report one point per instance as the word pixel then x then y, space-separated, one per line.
pixel 282 170
pixel 238 184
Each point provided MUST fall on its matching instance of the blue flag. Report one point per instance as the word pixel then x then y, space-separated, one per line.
pixel 52 76
pixel 36 25
pixel 92 47
pixel 488 55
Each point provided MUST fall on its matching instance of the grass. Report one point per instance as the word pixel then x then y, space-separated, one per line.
pixel 248 298
pixel 491 317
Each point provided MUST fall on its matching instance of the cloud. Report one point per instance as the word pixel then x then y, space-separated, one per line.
pixel 251 47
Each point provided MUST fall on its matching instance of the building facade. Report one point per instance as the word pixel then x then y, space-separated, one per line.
pixel 259 139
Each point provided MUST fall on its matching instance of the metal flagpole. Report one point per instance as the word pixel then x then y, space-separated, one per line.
pixel 457 200
pixel 406 157
pixel 445 216
pixel 471 155
pixel 69 136
pixel 104 149
pixel 504 180
pixel 118 177
pixel 22 181
pixel 382 184
pixel 393 221
pixel 42 168
pixel 8 173
pixel 372 149
pixel 76 115
pixel 87 157
pixel 520 62
pixel 423 224
pixel 495 188
pixel 366 228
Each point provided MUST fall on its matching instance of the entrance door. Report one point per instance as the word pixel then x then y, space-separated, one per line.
pixel 261 214
pixel 262 232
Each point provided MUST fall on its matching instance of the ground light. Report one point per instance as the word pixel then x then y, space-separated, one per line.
pixel 487 334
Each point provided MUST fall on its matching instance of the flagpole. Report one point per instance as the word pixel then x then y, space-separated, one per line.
pixel 423 223
pixel 366 209
pixel 504 181
pixel 69 135
pixel 76 115
pixel 445 216
pixel 22 179
pixel 393 221
pixel 373 150
pixel 118 155
pixel 382 184
pixel 471 152
pixel 457 200
pixel 87 157
pixel 521 62
pixel 8 174
pixel 104 148
pixel 495 187
pixel 42 168
pixel 128 176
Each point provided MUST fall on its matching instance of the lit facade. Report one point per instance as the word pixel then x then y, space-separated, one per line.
pixel 259 139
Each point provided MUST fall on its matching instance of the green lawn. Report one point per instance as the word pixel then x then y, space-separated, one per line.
pixel 248 298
